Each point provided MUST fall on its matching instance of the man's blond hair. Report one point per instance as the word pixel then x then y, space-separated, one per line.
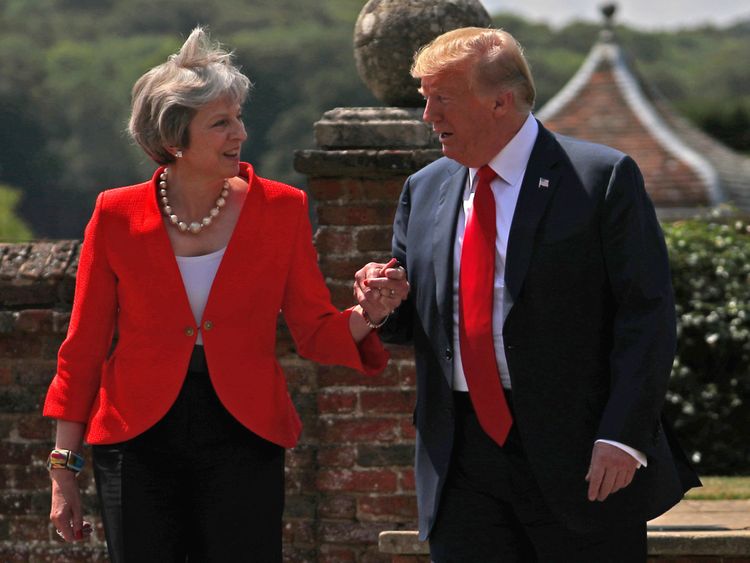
pixel 493 58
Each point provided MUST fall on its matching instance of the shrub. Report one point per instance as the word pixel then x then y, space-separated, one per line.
pixel 709 397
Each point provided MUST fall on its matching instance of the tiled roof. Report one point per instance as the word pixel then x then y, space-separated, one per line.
pixel 684 169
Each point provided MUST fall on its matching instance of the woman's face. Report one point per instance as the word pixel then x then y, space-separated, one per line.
pixel 216 136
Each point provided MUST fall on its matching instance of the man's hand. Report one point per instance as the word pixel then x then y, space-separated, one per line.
pixel 380 288
pixel 611 469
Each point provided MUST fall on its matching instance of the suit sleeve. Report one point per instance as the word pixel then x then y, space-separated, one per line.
pixel 398 328
pixel 319 330
pixel 644 326
pixel 80 359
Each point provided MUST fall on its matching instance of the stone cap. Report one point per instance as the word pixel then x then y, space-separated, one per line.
pixel 730 543
pixel 374 127
pixel 40 273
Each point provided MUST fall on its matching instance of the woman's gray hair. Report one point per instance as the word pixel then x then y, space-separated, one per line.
pixel 166 98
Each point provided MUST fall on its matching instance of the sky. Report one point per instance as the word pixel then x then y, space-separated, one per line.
pixel 640 14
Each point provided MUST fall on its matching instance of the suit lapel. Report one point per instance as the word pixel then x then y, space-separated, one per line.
pixel 539 184
pixel 446 215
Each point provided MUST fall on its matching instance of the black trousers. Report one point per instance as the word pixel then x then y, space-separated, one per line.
pixel 492 510
pixel 197 486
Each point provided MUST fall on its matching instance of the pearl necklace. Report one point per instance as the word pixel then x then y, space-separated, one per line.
pixel 194 227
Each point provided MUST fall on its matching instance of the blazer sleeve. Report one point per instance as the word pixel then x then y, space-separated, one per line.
pixel 644 325
pixel 319 330
pixel 79 364
pixel 398 327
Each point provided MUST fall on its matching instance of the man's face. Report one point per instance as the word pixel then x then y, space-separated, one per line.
pixel 464 121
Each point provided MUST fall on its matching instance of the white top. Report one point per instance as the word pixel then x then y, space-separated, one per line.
pixel 510 166
pixel 198 273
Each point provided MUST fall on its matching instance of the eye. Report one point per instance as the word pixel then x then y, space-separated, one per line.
pixel 220 123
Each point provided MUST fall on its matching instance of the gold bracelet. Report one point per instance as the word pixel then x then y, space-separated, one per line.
pixel 65 459
pixel 371 324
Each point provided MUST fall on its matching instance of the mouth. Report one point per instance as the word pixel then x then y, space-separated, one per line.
pixel 232 154
pixel 444 136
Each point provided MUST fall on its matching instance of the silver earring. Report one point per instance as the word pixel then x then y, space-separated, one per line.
pixel 178 154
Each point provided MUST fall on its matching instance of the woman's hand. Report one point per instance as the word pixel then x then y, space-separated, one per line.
pixel 380 288
pixel 66 512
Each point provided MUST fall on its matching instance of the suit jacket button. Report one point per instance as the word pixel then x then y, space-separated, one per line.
pixel 448 354
pixel 189 331
pixel 208 325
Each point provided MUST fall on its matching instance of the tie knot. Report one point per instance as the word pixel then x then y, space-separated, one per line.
pixel 486 174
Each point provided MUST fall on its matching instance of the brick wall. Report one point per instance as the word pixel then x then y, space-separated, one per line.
pixel 351 475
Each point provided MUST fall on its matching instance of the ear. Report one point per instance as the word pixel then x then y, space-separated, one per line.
pixel 503 103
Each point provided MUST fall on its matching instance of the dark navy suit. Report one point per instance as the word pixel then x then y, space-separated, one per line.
pixel 589 339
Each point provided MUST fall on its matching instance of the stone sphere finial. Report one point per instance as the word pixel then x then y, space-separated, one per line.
pixel 388 32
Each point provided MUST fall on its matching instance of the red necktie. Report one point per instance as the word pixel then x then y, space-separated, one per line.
pixel 475 297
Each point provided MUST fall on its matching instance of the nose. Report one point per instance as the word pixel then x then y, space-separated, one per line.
pixel 239 131
pixel 429 115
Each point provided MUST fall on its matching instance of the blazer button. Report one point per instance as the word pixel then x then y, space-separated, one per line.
pixel 189 331
pixel 448 354
pixel 208 325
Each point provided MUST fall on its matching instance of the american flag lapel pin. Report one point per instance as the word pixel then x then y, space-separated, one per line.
pixel 543 183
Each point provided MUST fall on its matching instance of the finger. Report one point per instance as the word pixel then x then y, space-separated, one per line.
pixel 77 523
pixel 608 482
pixel 391 263
pixel 595 475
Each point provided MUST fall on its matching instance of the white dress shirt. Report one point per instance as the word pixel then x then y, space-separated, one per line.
pixel 510 166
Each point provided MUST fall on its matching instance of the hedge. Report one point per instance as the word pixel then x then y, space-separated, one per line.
pixel 709 396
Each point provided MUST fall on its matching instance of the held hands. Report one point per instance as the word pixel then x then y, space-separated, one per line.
pixel 611 469
pixel 380 288
pixel 66 513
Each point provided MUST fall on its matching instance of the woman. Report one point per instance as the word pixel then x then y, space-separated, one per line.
pixel 190 270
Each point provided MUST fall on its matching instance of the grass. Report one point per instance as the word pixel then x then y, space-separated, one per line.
pixel 721 488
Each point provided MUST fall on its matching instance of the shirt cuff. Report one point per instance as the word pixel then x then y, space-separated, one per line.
pixel 639 456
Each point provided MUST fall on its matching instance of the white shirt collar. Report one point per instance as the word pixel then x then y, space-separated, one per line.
pixel 510 163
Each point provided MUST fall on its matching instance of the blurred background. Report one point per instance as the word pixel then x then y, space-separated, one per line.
pixel 67 67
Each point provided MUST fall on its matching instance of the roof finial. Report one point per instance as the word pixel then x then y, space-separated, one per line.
pixel 608 11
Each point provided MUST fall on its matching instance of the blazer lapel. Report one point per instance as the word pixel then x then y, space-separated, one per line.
pixel 165 273
pixel 446 215
pixel 237 266
pixel 539 183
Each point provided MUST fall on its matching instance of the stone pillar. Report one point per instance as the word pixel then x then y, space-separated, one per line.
pixel 365 435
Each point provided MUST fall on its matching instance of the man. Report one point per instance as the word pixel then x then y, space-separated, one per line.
pixel 542 317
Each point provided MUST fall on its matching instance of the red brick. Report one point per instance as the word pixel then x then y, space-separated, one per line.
pixel 300 374
pixel 388 401
pixel 301 457
pixel 337 456
pixel 366 214
pixel 343 268
pixel 410 559
pixel 351 532
pixel 35 427
pixel 388 508
pixel 18 346
pixel 336 554
pixel 337 506
pixel 6 376
pixel 34 320
pixel 333 240
pixel 333 431
pixel 34 372
pixel 334 376
pixel 336 402
pixel 363 481
pixel 299 481
pixel 406 480
pixel 375 239
pixel 408 431
pixel 299 532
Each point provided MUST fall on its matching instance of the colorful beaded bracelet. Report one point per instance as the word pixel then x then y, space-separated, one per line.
pixel 65 459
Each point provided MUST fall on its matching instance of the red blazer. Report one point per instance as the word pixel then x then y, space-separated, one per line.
pixel 128 280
